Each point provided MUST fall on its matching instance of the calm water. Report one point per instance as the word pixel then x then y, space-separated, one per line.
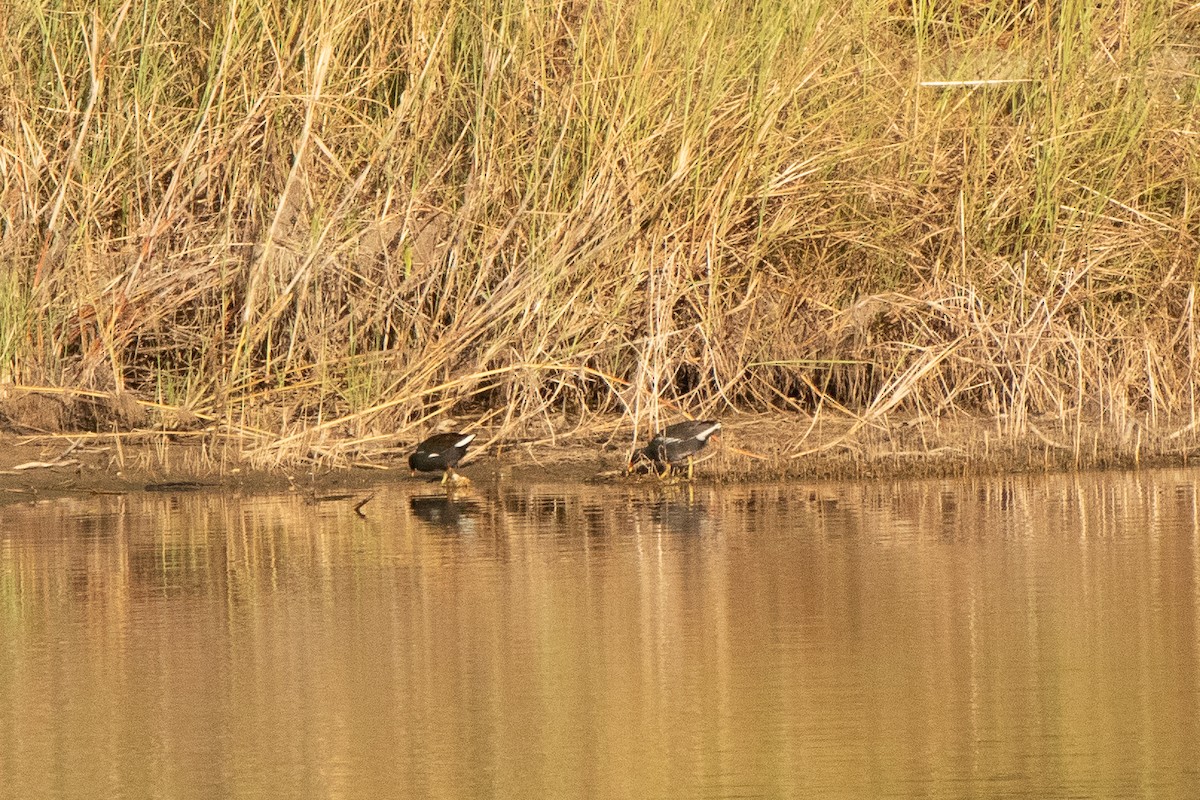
pixel 1030 637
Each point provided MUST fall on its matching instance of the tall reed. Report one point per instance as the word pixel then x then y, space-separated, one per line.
pixel 346 217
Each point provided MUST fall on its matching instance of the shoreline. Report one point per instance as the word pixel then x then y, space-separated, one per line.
pixel 752 448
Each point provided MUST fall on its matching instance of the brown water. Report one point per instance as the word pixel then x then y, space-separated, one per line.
pixel 1031 637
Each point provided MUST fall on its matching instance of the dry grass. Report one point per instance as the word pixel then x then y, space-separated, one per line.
pixel 308 227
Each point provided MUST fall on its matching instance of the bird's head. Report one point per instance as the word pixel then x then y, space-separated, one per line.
pixel 635 459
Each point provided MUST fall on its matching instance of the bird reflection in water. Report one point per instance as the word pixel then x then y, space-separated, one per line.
pixel 679 512
pixel 446 512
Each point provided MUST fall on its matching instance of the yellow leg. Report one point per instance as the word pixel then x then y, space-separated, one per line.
pixel 689 468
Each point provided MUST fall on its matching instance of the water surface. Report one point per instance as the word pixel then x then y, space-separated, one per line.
pixel 1022 637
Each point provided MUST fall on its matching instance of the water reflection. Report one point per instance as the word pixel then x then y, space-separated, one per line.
pixel 448 511
pixel 678 512
pixel 1022 636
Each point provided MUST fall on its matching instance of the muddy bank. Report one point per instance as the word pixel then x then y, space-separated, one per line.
pixel 751 448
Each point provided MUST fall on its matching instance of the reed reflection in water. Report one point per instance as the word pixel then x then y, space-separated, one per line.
pixel 1022 637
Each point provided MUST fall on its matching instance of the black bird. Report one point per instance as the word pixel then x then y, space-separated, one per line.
pixel 441 451
pixel 675 444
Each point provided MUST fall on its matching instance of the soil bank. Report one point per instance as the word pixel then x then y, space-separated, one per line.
pixel 750 448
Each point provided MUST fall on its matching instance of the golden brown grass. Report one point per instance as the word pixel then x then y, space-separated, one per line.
pixel 310 226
